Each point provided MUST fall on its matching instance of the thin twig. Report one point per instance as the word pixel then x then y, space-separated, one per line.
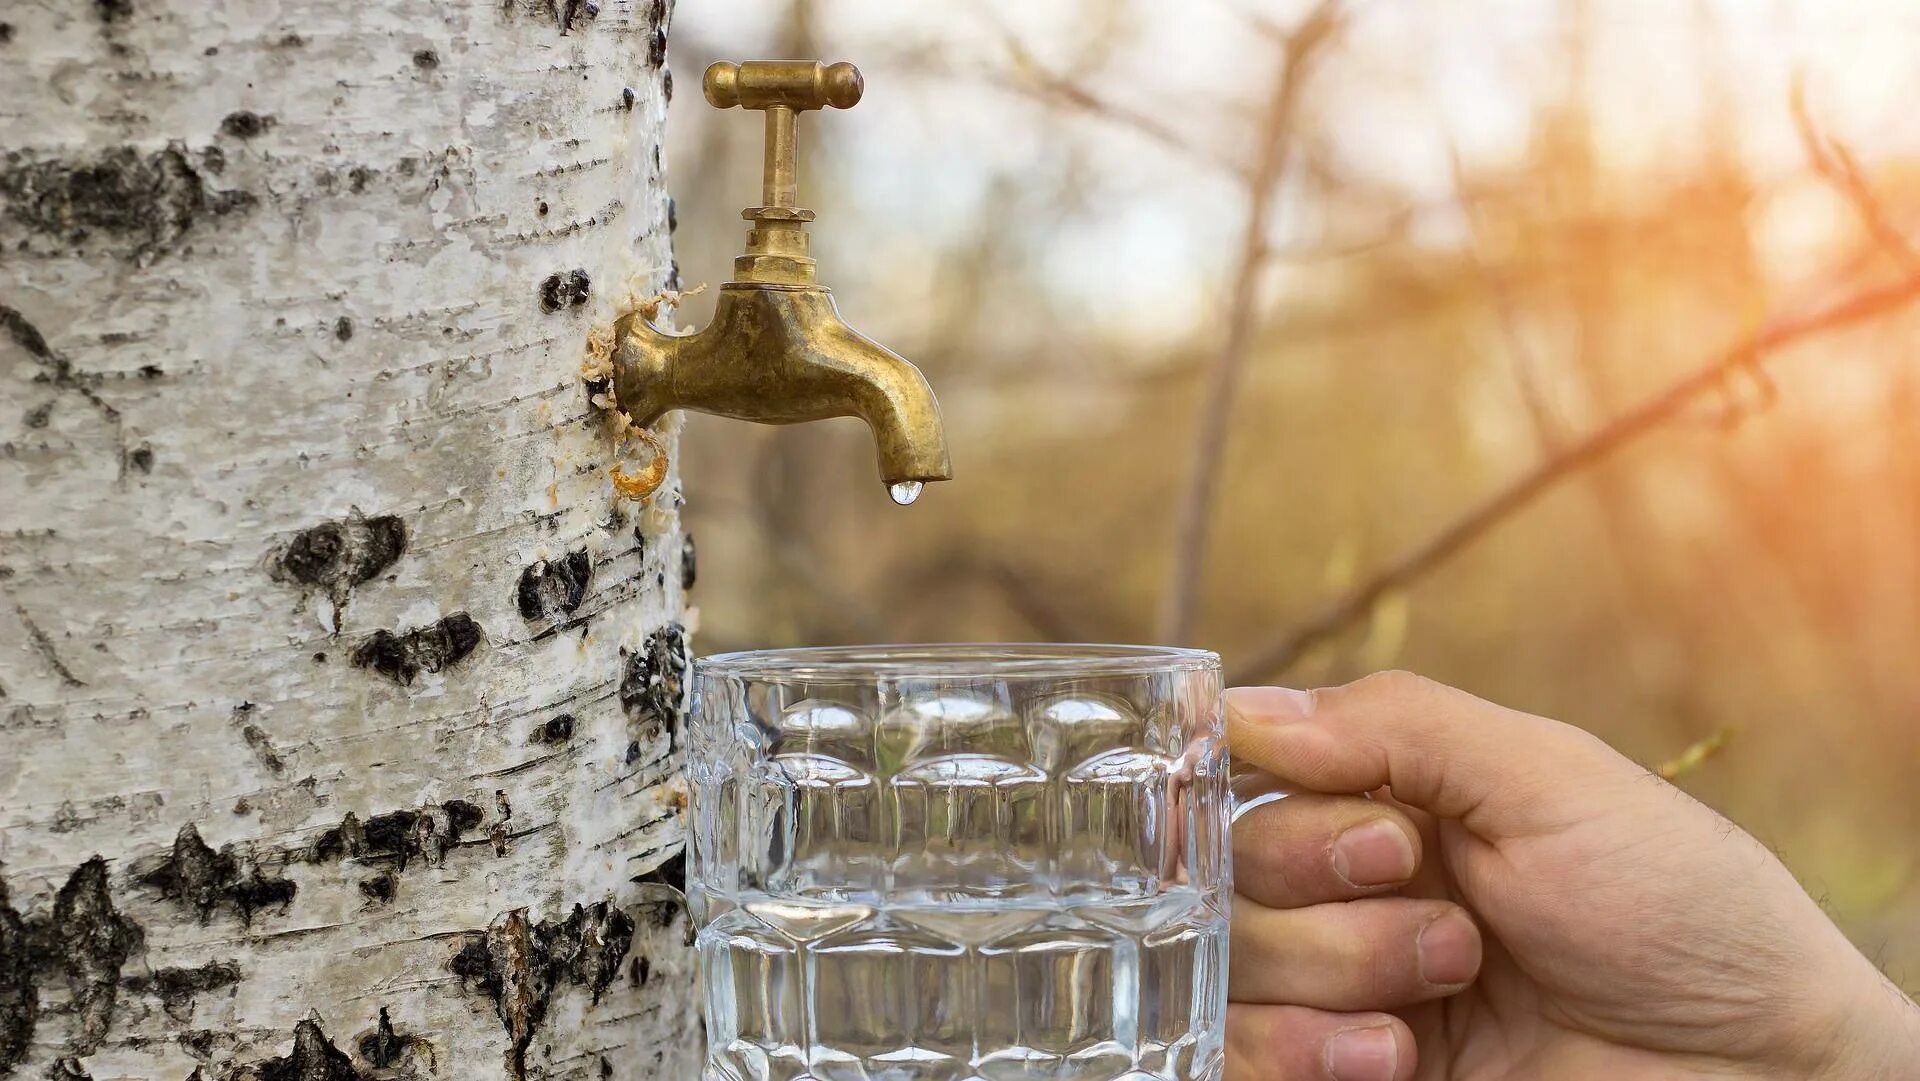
pixel 1031 76
pixel 1835 162
pixel 1211 423
pixel 1526 365
pixel 1277 655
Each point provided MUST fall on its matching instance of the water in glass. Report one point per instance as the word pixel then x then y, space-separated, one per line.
pixel 941 864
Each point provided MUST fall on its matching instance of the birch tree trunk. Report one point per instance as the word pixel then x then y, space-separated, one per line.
pixel 338 696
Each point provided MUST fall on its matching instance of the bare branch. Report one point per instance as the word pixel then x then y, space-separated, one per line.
pixel 1212 422
pixel 1526 364
pixel 1029 75
pixel 1835 162
pixel 1661 407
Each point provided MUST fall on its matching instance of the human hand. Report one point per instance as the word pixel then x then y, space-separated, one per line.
pixel 1531 905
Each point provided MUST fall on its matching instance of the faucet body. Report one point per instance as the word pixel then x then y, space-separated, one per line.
pixel 777 351
pixel 780 354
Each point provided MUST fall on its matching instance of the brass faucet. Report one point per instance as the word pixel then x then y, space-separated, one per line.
pixel 777 351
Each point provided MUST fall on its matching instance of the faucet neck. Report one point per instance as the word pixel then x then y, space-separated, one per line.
pixel 777 247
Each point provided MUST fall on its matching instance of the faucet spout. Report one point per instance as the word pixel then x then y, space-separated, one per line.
pixel 781 354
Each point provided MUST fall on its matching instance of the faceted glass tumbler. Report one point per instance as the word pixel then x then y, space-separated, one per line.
pixel 949 863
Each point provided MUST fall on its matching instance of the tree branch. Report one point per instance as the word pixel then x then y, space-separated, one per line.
pixel 1211 423
pixel 1031 76
pixel 1835 162
pixel 1662 406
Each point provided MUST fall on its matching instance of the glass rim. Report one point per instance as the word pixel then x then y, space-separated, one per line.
pixel 955 660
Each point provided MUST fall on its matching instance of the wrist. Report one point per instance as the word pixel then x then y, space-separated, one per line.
pixel 1878 1037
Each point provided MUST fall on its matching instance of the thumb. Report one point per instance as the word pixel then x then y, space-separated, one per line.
pixel 1499 771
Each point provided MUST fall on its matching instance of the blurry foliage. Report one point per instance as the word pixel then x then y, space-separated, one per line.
pixel 1420 340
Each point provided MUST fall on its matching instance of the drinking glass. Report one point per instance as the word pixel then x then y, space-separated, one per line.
pixel 943 863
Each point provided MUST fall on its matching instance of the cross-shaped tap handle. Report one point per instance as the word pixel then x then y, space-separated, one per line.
pixel 782 89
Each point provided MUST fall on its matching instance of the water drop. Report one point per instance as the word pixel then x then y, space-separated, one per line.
pixel 905 491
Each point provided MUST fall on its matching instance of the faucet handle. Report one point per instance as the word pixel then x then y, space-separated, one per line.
pixel 777 246
pixel 791 84
pixel 782 89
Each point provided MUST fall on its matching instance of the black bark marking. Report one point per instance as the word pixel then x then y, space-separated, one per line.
pixel 666 86
pixel 59 370
pixel 520 965
pixel 177 987
pixel 25 334
pixel 93 941
pixel 147 202
pixel 563 290
pixel 658 17
pixel 256 739
pixel 141 458
pixel 673 215
pixel 381 888
pixel 672 283
pixel 426 59
pixel 339 555
pixel 196 876
pixel 386 1047
pixel 627 98
pixel 343 329
pixel 256 892
pixel 689 567
pixel 68 1069
pixel 113 11
pixel 39 415
pixel 398 836
pixel 558 587
pixel 558 729
pixel 245 124
pixel 6 33
pixel 313 1058
pixel 433 648
pixel 653 688
pixel 19 992
pixel 43 645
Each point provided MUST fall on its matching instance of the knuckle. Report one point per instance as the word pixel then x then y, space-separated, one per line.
pixel 1393 685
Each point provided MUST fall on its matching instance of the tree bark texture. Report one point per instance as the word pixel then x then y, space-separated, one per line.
pixel 339 697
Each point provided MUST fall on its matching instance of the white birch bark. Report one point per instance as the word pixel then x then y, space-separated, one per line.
pixel 337 695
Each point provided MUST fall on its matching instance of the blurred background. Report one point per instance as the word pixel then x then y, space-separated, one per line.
pixel 1563 350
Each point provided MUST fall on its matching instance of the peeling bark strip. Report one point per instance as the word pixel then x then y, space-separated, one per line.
pixel 144 203
pixel 548 589
pixel 520 965
pixel 433 648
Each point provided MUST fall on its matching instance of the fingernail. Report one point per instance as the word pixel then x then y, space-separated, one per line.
pixel 1375 853
pixel 1274 705
pixel 1363 1054
pixel 1449 950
